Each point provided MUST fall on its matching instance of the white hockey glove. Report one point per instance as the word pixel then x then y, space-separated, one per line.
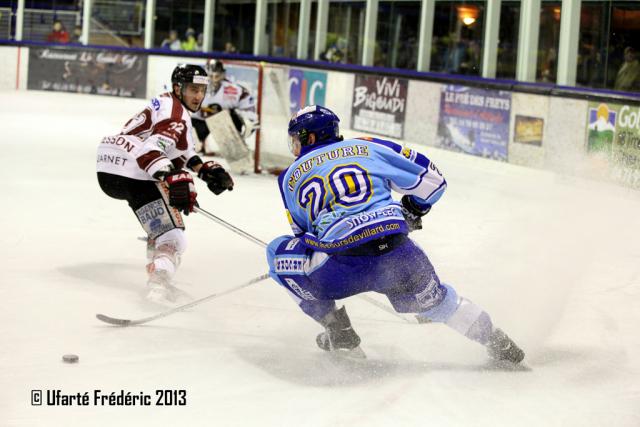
pixel 250 126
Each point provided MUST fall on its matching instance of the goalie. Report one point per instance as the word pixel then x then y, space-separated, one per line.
pixel 224 95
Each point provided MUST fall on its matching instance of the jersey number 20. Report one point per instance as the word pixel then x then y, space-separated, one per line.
pixel 349 185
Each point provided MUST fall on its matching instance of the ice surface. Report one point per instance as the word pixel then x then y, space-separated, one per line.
pixel 555 260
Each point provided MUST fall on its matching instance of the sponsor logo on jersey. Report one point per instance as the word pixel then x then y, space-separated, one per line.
pixel 230 90
pixel 292 244
pixel 162 143
pixel 155 224
pixel 359 236
pixel 113 159
pixel 290 264
pixel 304 294
pixel 365 217
pixel 431 295
pixel 119 141
pixel 154 218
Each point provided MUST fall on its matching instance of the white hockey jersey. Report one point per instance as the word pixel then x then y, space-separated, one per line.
pixel 229 95
pixel 157 137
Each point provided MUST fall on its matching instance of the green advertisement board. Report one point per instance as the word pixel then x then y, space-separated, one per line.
pixel 614 136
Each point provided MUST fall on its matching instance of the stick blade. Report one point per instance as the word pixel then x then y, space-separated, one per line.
pixel 113 320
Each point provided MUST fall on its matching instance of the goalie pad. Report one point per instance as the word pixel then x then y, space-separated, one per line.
pixel 231 145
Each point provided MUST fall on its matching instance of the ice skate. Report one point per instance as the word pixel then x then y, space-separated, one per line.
pixel 160 289
pixel 339 335
pixel 502 348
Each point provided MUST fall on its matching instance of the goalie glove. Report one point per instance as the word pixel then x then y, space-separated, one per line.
pixel 217 179
pixel 246 122
pixel 210 110
pixel 182 192
pixel 250 126
pixel 413 213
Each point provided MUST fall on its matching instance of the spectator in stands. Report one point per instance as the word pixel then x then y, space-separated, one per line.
pixel 230 48
pixel 200 42
pixel 335 52
pixel 76 37
pixel 190 42
pixel 548 66
pixel 172 42
pixel 628 78
pixel 58 33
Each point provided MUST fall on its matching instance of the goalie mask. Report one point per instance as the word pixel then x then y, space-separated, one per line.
pixel 216 71
pixel 314 119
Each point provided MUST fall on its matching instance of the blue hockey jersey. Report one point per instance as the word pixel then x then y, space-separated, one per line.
pixel 338 193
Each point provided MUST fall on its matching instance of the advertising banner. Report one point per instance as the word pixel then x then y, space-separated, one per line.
pixel 306 88
pixel 93 71
pixel 528 130
pixel 613 137
pixel 379 105
pixel 475 121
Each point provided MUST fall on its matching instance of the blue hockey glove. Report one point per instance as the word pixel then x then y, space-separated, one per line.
pixel 413 213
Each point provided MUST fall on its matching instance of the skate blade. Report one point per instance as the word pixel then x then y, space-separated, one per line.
pixel 506 365
pixel 353 354
pixel 163 296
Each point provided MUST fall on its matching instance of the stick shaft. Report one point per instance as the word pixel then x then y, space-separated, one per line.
pixel 263 244
pixel 230 226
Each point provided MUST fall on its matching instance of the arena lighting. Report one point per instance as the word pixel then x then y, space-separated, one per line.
pixel 468 20
pixel 467 14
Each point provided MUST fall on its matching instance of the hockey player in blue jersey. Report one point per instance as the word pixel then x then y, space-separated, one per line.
pixel 350 236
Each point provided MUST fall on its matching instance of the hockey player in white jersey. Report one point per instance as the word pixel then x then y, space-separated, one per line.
pixel 225 95
pixel 143 165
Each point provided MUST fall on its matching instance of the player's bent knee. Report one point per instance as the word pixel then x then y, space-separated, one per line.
pixel 272 249
pixel 448 305
pixel 173 238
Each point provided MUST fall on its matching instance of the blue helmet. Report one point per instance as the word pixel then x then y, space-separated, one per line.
pixel 317 120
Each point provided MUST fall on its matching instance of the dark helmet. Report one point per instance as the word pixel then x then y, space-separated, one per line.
pixel 317 120
pixel 215 66
pixel 189 73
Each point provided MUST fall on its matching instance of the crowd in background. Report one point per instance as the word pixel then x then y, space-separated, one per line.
pixel 190 42
pixel 614 65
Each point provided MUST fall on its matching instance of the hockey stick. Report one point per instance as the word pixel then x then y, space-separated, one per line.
pixel 229 226
pixel 264 245
pixel 127 322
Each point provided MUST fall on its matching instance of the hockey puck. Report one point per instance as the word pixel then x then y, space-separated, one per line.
pixel 70 358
